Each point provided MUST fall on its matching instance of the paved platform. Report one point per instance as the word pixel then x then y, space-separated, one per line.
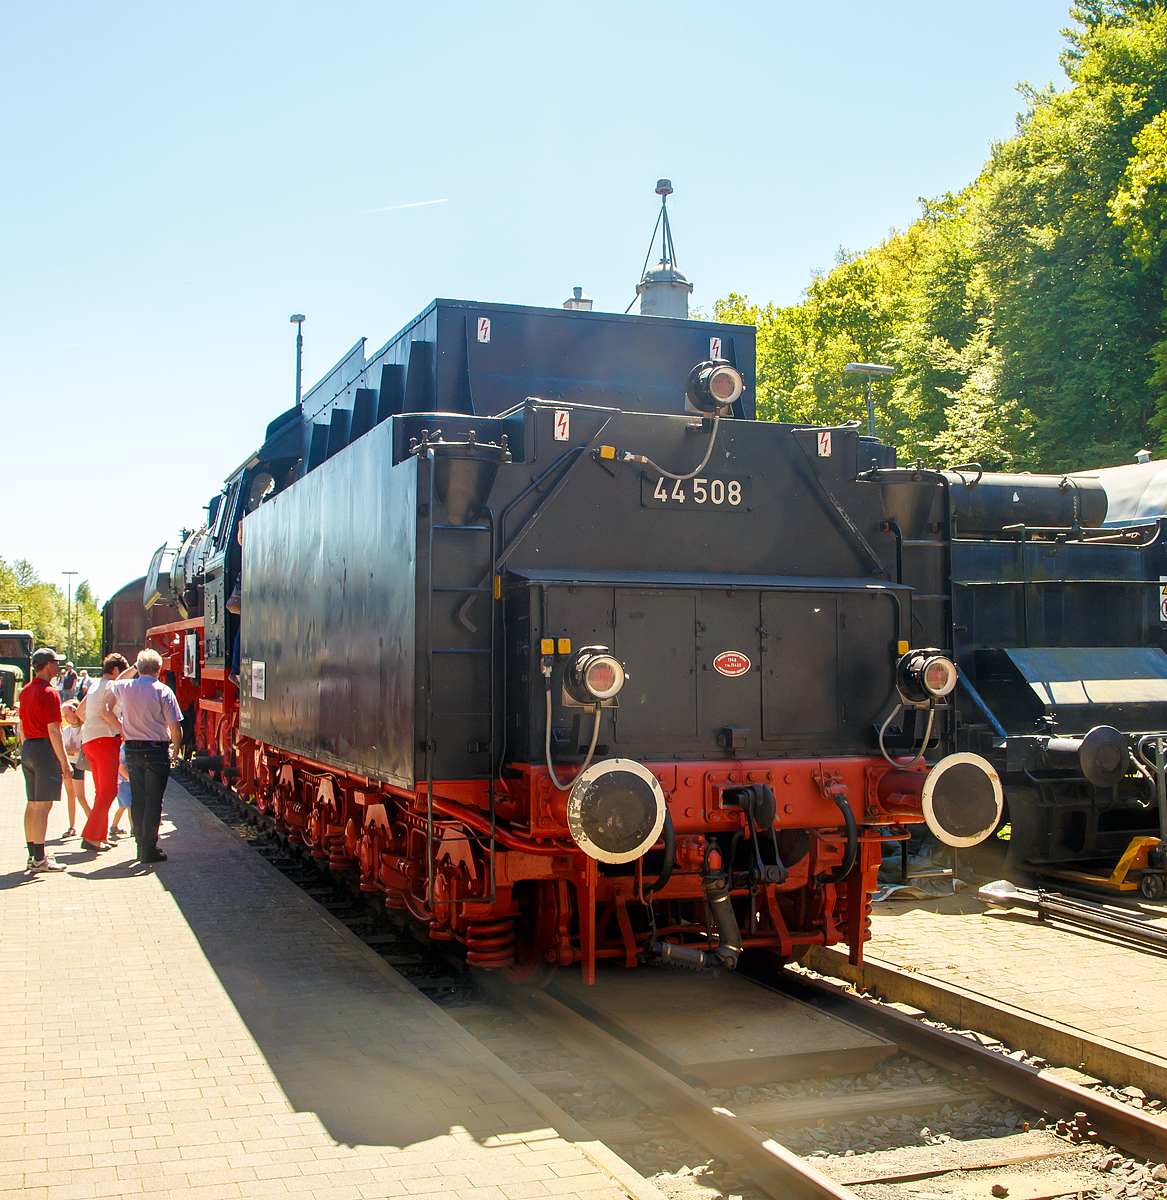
pixel 1113 994
pixel 1073 978
pixel 203 1029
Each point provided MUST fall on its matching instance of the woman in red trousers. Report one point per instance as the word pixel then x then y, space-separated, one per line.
pixel 102 739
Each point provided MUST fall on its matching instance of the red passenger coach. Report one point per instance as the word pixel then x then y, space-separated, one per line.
pixel 554 650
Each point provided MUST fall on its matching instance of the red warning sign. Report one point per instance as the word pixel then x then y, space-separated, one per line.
pixel 731 662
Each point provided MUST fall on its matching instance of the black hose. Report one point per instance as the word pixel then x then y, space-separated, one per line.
pixel 839 873
pixel 670 861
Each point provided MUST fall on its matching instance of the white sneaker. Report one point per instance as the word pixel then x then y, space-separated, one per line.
pixel 46 864
pixel 28 866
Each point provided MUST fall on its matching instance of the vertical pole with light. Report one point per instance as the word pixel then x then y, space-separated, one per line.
pixel 297 319
pixel 869 370
pixel 69 615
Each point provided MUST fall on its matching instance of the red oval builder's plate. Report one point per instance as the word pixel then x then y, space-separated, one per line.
pixel 731 662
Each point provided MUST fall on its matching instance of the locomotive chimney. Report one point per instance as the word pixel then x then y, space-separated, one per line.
pixel 664 291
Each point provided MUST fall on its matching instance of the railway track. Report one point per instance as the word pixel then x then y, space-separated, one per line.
pixel 884 1135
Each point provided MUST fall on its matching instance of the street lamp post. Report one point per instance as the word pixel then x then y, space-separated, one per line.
pixel 297 319
pixel 869 370
pixel 69 615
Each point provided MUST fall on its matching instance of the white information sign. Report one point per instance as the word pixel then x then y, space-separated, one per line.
pixel 258 679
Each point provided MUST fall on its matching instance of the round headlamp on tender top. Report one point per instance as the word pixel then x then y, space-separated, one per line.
pixel 938 677
pixel 713 385
pixel 925 675
pixel 593 676
pixel 616 810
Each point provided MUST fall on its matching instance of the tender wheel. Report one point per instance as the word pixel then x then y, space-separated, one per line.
pixel 1151 886
pixel 535 928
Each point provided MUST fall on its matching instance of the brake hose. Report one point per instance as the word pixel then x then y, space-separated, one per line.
pixel 626 456
pixel 547 742
pixel 923 749
pixel 839 873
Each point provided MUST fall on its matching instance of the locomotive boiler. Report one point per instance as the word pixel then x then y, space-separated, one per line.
pixel 559 652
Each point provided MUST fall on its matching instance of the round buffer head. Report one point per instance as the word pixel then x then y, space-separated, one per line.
pixel 1104 756
pixel 616 810
pixel 962 800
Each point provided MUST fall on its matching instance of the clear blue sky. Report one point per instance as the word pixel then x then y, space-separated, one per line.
pixel 179 179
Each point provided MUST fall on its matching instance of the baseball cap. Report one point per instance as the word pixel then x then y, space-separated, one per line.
pixel 44 656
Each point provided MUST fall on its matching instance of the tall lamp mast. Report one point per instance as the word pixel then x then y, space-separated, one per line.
pixel 297 319
pixel 69 614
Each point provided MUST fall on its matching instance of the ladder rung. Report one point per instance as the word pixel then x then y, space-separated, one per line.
pixel 457 650
pixel 480 528
pixel 463 589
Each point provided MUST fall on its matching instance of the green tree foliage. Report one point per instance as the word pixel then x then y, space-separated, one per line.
pixel 46 611
pixel 1026 314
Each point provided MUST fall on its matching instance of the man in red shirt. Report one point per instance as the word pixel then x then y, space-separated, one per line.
pixel 42 757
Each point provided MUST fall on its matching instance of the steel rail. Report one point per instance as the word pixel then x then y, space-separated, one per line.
pixel 777 1171
pixel 1140 1133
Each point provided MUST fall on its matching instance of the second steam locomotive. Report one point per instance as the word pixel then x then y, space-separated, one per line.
pixel 553 647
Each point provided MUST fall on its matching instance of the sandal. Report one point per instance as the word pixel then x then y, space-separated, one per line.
pixel 70 832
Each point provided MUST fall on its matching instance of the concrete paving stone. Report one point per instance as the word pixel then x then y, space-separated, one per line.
pixel 277 1170
pixel 382 1190
pixel 213 1191
pixel 567 1170
pixel 263 1187
pixel 47 1178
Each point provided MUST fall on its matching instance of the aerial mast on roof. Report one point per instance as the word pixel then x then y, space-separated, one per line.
pixel 663 291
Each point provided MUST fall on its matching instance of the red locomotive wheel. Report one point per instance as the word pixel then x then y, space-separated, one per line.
pixel 227 741
pixel 535 928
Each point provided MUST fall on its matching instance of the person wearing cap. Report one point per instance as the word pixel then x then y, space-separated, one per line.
pixel 42 757
pixel 151 723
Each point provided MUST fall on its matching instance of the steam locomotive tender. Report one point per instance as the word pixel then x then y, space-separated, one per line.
pixel 560 651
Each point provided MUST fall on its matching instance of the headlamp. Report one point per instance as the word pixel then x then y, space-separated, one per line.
pixel 713 386
pixel 593 676
pixel 925 675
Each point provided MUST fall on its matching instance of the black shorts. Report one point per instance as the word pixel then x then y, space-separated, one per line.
pixel 42 771
pixel 78 772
